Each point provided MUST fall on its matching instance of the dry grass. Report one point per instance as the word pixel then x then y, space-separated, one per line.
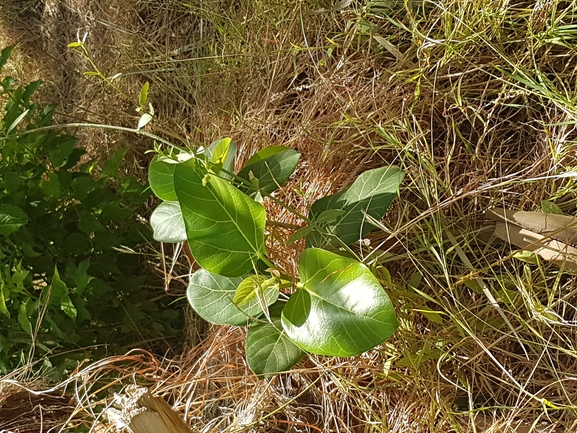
pixel 475 100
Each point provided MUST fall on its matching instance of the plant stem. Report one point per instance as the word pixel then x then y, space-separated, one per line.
pixel 91 125
pixel 284 225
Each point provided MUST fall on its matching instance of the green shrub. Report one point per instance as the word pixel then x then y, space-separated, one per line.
pixel 335 306
pixel 64 284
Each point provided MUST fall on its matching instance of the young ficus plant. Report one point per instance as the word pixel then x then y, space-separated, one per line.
pixel 339 308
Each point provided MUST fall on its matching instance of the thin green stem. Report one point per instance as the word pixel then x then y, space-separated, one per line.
pixel 284 225
pixel 92 125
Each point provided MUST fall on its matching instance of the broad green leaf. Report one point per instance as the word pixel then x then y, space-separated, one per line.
pixel 167 223
pixel 113 163
pixel 340 310
pixel 371 194
pixel 80 275
pixel 11 218
pixel 143 97
pixel 211 296
pixel 268 348
pixel 225 227
pixel 161 177
pixel 268 169
pixel 221 153
pixel 256 287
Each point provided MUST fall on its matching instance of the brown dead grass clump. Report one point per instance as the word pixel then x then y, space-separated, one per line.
pixel 475 100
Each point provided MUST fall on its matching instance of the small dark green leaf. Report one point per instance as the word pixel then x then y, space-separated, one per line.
pixel 328 215
pixel 212 295
pixel 341 309
pixel 63 149
pixel 51 186
pixel 5 55
pixel 370 195
pixel 113 163
pixel 299 234
pixel 268 169
pixel 11 218
pixel 268 348
pixel 167 223
pixel 23 318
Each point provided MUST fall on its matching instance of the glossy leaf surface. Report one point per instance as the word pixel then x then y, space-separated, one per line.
pixel 371 194
pixel 225 227
pixel 341 310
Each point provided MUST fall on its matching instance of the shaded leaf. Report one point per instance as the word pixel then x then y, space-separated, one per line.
pixel 268 348
pixel 212 295
pixel 23 319
pixel 370 195
pixel 113 163
pixel 11 218
pixel 268 169
pixel 299 234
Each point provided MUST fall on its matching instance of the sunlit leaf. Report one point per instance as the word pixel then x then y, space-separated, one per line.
pixel 167 223
pixel 225 227
pixel 340 310
pixel 256 287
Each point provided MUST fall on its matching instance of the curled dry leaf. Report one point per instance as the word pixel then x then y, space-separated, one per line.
pixel 553 237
